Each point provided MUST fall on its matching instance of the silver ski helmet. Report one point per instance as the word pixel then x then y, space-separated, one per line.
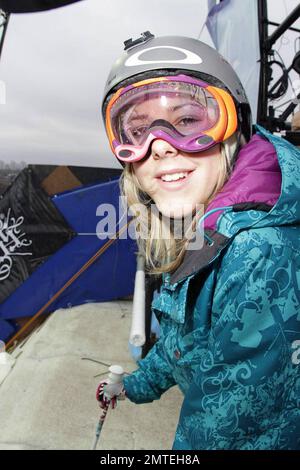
pixel 150 56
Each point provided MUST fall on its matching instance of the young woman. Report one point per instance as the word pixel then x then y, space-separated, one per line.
pixel 178 120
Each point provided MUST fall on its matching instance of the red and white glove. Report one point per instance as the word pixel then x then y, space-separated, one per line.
pixel 109 393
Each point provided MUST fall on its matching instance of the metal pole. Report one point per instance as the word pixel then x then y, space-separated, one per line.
pixel 283 27
pixel 289 110
pixel 262 109
pixel 4 18
pixel 279 80
pixel 273 23
pixel 99 427
pixel 137 331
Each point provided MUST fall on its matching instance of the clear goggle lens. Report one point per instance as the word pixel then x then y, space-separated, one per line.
pixel 180 109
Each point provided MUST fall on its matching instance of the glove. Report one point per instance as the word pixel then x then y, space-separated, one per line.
pixel 109 393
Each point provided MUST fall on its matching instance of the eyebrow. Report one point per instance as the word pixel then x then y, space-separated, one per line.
pixel 188 103
pixel 138 117
pixel 173 108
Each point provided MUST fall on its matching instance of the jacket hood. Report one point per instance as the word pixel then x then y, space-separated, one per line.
pixel 266 178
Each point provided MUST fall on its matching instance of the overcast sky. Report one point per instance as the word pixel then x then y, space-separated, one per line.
pixel 54 65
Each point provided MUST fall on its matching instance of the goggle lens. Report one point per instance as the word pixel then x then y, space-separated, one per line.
pixel 181 109
pixel 189 114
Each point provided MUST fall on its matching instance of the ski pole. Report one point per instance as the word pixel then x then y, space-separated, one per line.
pixel 113 388
pixel 99 426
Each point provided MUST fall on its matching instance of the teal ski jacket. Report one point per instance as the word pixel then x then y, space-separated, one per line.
pixel 230 313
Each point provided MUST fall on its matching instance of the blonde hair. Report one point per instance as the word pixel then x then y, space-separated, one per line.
pixel 165 254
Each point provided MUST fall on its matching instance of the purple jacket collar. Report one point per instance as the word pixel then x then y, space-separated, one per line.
pixel 256 178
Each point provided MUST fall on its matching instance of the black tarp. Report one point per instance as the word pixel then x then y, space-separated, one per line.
pixel 29 6
pixel 31 229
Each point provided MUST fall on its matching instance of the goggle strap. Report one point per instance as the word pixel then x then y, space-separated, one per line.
pixel 231 114
pixel 218 130
pixel 108 126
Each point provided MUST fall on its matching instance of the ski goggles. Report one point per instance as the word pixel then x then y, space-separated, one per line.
pixel 186 112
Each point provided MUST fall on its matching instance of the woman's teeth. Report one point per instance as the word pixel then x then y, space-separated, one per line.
pixel 174 176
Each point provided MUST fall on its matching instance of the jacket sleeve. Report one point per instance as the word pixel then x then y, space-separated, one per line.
pixel 153 377
pixel 243 394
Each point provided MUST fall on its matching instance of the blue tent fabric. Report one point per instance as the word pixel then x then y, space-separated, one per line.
pixel 7 329
pixel 110 277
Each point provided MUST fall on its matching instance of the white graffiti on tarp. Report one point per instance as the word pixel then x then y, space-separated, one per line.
pixel 11 239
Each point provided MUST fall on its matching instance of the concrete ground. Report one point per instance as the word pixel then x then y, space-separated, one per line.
pixel 48 399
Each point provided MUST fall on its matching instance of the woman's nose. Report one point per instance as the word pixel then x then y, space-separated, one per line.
pixel 161 149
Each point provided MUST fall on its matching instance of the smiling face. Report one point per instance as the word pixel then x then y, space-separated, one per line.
pixel 177 181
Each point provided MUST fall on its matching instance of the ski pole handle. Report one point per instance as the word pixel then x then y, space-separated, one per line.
pixel 113 387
